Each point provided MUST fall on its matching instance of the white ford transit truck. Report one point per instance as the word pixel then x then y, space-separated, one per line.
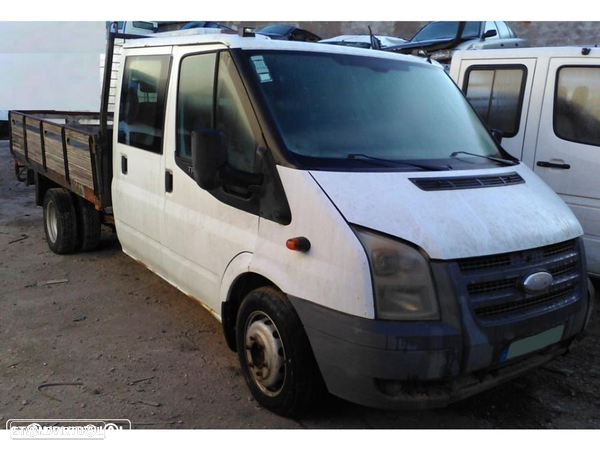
pixel 343 212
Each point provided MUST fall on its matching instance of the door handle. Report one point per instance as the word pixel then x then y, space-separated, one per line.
pixel 124 164
pixel 553 165
pixel 168 181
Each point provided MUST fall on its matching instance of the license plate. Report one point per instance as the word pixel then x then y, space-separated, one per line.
pixel 532 343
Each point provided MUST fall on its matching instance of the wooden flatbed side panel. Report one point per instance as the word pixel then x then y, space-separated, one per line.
pixel 34 143
pixel 79 157
pixel 18 141
pixel 54 148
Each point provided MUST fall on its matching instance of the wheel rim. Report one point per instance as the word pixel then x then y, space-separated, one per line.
pixel 51 221
pixel 265 354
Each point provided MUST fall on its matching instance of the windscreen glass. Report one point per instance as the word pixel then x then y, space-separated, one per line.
pixel 276 29
pixel 335 105
pixel 446 30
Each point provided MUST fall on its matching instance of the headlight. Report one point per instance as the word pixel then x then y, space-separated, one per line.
pixel 402 280
pixel 442 55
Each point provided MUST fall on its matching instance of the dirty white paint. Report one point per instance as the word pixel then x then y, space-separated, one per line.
pixel 536 140
pixel 334 272
pixel 201 245
pixel 455 223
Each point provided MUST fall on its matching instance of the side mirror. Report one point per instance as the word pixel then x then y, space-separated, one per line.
pixel 497 135
pixel 209 156
pixel 489 34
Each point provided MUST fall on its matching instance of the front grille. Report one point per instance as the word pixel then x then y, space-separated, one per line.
pixel 484 263
pixel 494 285
pixel 522 304
pixel 452 183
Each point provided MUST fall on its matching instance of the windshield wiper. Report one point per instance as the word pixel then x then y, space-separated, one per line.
pixel 506 162
pixel 393 161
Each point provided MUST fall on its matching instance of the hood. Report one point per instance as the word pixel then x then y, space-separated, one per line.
pixel 451 224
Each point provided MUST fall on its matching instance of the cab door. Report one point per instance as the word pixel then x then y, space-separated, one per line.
pixel 499 90
pixel 138 153
pixel 203 233
pixel 568 143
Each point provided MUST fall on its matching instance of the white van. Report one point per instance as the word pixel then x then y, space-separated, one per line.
pixel 546 102
pixel 343 212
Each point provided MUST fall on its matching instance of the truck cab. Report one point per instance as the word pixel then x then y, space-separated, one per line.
pixel 257 170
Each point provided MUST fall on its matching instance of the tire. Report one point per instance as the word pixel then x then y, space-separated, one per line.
pixel 60 221
pixel 89 224
pixel 275 355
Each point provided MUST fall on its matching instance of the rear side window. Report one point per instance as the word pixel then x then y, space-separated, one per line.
pixel 577 105
pixel 496 93
pixel 142 105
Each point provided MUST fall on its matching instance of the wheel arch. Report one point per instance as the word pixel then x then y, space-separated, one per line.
pixel 236 284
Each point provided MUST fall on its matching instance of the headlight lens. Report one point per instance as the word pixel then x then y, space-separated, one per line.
pixel 442 55
pixel 402 280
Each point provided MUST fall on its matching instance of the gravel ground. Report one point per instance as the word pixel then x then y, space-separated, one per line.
pixel 134 347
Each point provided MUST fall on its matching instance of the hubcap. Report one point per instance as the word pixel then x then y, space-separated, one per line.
pixel 51 222
pixel 265 354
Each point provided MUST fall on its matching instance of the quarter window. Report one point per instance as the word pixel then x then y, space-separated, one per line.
pixel 142 105
pixel 497 96
pixel 577 105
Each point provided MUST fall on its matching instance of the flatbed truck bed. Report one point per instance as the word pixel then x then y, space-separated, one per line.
pixel 64 148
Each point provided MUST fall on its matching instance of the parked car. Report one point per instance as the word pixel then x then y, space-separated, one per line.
pixel 190 25
pixel 363 40
pixel 288 32
pixel 440 39
pixel 546 102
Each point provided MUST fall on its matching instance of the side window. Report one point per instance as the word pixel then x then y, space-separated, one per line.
pixel 496 93
pixel 231 117
pixel 577 105
pixel 472 30
pixel 142 105
pixel 194 99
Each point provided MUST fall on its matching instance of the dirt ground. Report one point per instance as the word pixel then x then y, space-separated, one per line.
pixel 132 346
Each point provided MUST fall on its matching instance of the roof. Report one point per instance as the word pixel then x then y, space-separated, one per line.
pixel 528 52
pixel 262 43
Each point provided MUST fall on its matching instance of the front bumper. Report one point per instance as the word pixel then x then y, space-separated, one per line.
pixel 418 365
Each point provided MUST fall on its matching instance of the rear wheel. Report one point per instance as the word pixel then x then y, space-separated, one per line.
pixel 60 221
pixel 275 354
pixel 89 224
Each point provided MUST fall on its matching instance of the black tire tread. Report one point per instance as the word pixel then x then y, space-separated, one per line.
pixel 307 385
pixel 89 223
pixel 67 233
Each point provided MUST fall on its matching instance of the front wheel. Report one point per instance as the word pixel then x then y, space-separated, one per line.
pixel 275 354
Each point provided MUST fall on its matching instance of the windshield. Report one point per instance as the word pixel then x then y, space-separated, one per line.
pixel 276 29
pixel 334 105
pixel 446 30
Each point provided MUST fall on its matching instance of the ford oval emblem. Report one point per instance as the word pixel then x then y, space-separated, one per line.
pixel 537 282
